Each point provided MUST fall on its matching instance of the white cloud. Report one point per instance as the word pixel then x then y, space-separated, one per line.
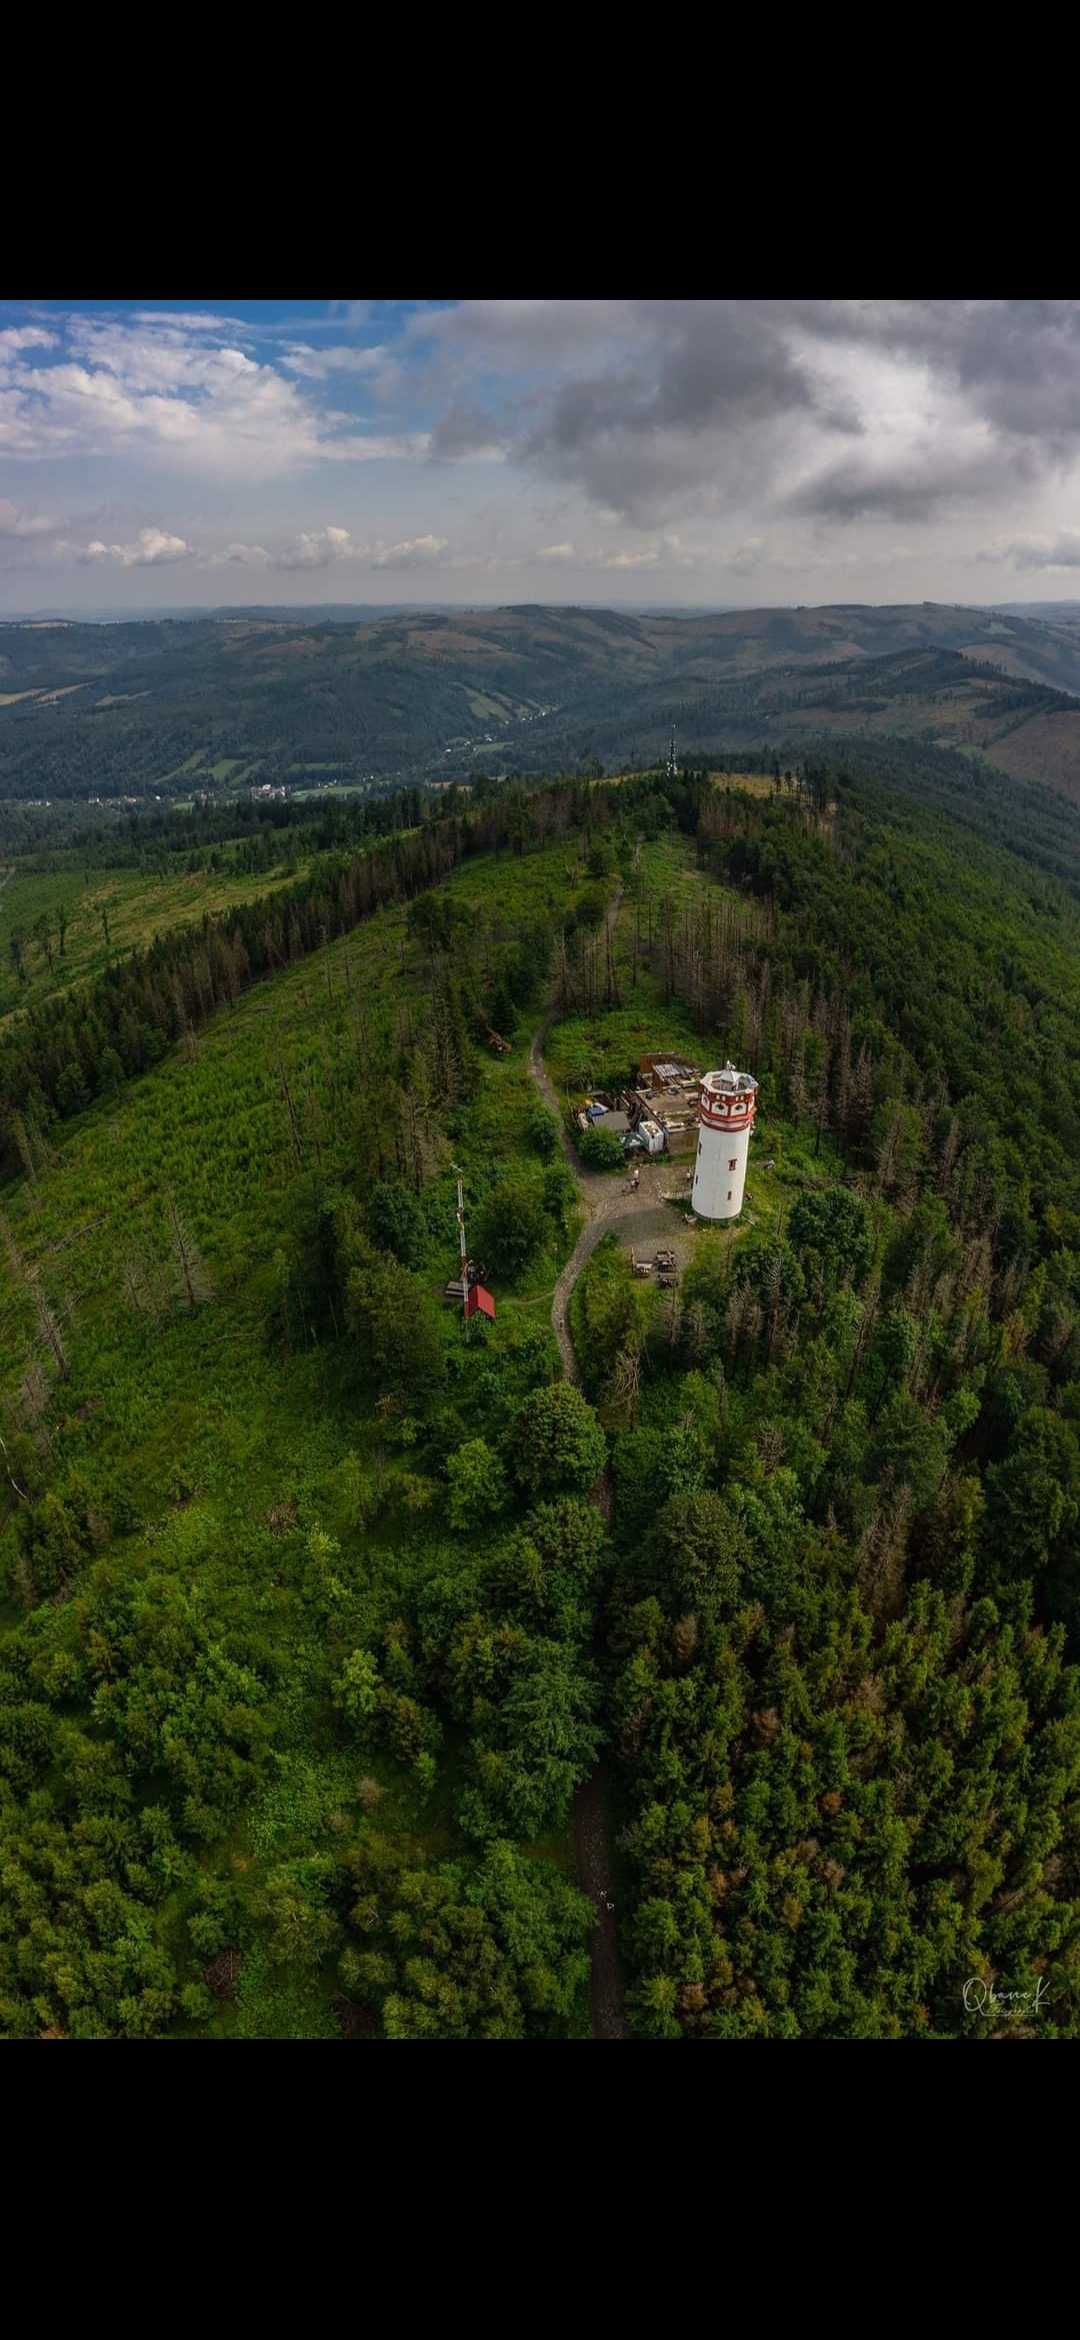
pixel 317 548
pixel 14 522
pixel 629 560
pixel 669 552
pixel 317 364
pixel 414 553
pixel 152 548
pixel 322 548
pixel 802 447
pixel 248 556
pixel 16 338
pixel 165 391
pixel 194 321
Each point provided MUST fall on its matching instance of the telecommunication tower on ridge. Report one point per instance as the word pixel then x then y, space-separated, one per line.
pixel 726 1112
pixel 672 767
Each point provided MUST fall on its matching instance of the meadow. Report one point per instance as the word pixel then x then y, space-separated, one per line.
pixel 104 914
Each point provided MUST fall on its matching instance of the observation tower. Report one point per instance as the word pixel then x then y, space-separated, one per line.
pixel 726 1112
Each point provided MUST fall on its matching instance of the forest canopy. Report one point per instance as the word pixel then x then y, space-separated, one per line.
pixel 322 1608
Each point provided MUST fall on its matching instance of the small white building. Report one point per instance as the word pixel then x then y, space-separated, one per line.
pixel 726 1112
pixel 651 1135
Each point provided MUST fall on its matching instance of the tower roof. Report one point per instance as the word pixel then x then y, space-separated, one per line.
pixel 729 1083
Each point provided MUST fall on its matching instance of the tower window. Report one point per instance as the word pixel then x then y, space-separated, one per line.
pixel 729 1194
pixel 731 1164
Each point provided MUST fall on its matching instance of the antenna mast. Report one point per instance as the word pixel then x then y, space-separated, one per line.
pixel 463 1247
pixel 474 1299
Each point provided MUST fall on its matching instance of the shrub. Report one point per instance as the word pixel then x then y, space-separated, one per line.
pixel 600 1149
pixel 542 1132
pixel 356 1690
pixel 560 1193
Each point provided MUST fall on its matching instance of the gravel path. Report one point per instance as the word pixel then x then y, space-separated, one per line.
pixel 592 1843
pixel 644 1217
pixel 608 1205
pixel 610 1210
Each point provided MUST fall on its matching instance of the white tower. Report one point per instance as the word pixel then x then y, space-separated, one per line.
pixel 726 1117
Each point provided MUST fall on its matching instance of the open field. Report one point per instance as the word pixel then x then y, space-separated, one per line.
pixel 135 905
pixel 1046 744
pixel 751 783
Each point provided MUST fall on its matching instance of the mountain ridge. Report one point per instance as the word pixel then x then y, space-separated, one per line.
pixel 171 704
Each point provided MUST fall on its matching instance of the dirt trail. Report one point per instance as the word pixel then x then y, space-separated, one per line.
pixel 609 1206
pixel 604 1199
pixel 591 1838
pixel 592 1844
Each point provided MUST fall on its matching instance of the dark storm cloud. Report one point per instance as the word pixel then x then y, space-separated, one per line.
pixel 465 430
pixel 922 486
pixel 649 405
pixel 1019 361
pixel 644 433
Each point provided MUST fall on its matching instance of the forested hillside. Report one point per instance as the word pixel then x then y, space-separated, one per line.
pixel 319 1608
pixel 231 1402
pixel 213 705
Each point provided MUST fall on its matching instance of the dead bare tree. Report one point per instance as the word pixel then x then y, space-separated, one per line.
pixel 20 1491
pixel 881 1554
pixel 49 1328
pixel 191 1271
pixel 626 1381
pixel 22 1139
pixel 141 1285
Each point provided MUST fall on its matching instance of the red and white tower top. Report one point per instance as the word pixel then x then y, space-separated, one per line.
pixel 728 1099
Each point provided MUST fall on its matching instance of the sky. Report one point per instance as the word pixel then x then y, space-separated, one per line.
pixel 198 453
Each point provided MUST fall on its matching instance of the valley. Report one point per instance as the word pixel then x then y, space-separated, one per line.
pixel 212 707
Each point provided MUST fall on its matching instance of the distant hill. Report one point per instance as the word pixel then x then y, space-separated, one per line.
pixel 1067 612
pixel 220 701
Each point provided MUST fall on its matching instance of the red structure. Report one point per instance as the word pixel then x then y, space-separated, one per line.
pixel 724 1109
pixel 475 1301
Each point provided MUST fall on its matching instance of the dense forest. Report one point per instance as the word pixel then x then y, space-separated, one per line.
pixel 800 1554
